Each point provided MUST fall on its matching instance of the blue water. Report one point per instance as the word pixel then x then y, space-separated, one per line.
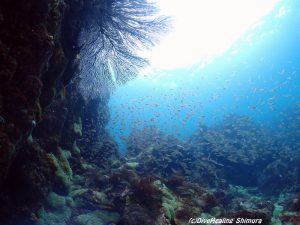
pixel 259 76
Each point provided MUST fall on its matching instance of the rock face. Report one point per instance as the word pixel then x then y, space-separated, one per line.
pixel 29 42
pixel 37 54
pixel 49 132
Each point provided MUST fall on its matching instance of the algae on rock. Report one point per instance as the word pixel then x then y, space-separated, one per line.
pixel 97 217
pixel 62 168
pixel 56 201
pixel 169 202
pixel 57 217
pixel 75 148
pixel 132 165
pixel 78 127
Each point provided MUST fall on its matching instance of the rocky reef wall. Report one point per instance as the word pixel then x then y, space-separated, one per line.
pixel 50 133
pixel 30 45
pixel 41 111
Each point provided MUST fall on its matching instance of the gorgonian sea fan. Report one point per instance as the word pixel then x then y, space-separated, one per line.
pixel 113 33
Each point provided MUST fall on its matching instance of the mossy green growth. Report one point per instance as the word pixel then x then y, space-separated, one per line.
pixel 56 201
pixel 64 163
pixel 87 166
pixel 238 190
pixel 62 93
pixel 77 127
pixel 77 178
pixel 67 154
pixel 78 196
pixel 276 222
pixel 75 147
pixel 30 139
pixel 100 196
pixel 278 211
pixel 169 211
pixel 206 216
pixel 56 217
pixel 62 168
pixel 70 202
pixel 97 217
pixel 132 165
pixel 78 192
pixel 216 211
pixel 169 202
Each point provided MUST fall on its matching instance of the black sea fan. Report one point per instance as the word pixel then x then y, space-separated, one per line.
pixel 114 32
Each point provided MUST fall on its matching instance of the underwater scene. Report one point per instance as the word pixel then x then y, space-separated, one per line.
pixel 149 112
pixel 221 138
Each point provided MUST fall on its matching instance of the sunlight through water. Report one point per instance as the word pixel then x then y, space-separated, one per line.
pixel 204 29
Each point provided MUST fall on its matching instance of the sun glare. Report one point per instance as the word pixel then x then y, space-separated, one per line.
pixel 203 29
